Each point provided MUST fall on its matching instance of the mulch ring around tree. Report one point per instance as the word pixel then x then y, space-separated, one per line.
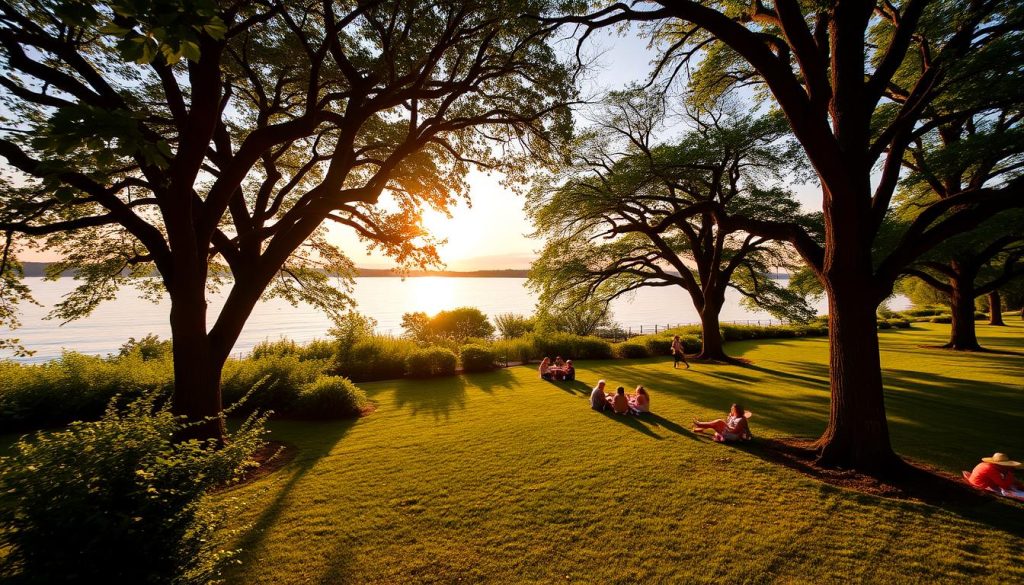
pixel 919 482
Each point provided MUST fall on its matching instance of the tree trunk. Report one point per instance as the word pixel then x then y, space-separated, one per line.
pixel 995 308
pixel 712 347
pixel 857 436
pixel 196 370
pixel 962 334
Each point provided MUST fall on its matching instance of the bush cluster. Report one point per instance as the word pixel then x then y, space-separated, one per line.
pixel 373 357
pixel 477 358
pixel 118 500
pixel 431 361
pixel 329 398
pixel 75 386
pixel 631 350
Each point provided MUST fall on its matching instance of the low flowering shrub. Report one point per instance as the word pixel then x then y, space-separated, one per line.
pixel 119 501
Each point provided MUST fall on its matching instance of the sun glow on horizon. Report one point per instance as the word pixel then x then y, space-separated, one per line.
pixel 465 234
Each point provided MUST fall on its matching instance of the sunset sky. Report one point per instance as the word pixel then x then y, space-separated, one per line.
pixel 492 234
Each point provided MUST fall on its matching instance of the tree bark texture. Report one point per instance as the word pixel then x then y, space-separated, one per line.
pixel 995 309
pixel 962 336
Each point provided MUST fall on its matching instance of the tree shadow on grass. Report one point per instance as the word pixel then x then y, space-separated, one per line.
pixel 495 379
pixel 433 396
pixel 920 486
pixel 648 422
pixel 573 387
pixel 320 441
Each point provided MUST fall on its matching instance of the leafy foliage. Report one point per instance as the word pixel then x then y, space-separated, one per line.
pixel 329 397
pixel 477 358
pixel 455 325
pixel 119 501
pixel 628 210
pixel 431 361
pixel 511 325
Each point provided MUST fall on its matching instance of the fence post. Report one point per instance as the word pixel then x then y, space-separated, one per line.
pixel 641 330
pixel 655 328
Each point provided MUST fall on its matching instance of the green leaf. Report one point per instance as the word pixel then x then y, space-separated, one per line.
pixel 190 50
pixel 64 194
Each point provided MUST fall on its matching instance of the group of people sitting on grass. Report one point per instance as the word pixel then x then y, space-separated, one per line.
pixel 560 370
pixel 636 403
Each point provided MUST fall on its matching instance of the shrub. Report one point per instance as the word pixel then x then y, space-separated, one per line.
pixel 375 357
pixel 520 349
pixel 431 361
pixel 884 324
pixel 118 500
pixel 924 312
pixel 328 397
pixel 318 349
pixel 75 387
pixel 941 319
pixel 512 326
pixel 630 350
pixel 659 345
pixel 456 324
pixel 897 323
pixel 477 358
pixel 280 347
pixel 148 348
pixel 571 346
pixel 691 343
pixel 277 380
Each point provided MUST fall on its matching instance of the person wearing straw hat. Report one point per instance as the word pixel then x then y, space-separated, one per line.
pixel 995 474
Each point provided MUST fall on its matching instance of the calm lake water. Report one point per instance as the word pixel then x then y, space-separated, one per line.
pixel 383 298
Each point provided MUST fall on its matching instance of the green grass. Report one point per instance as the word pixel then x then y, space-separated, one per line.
pixel 501 477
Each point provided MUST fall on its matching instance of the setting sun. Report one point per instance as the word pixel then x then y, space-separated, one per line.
pixel 464 235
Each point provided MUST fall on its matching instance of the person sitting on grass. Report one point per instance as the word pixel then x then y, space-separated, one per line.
pixel 733 428
pixel 569 372
pixel 545 369
pixel 994 474
pixel 640 401
pixel 598 398
pixel 619 402
pixel 558 368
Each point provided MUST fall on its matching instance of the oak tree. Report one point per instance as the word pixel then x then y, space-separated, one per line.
pixel 211 143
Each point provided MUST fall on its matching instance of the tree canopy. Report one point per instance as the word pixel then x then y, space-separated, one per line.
pixel 214 142
pixel 630 209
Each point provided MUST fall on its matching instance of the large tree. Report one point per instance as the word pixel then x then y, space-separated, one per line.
pixel 214 141
pixel 971 265
pixel 858 82
pixel 629 210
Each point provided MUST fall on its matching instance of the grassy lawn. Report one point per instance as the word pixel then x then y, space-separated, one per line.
pixel 501 477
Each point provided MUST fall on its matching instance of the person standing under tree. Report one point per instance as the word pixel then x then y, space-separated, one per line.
pixel 678 353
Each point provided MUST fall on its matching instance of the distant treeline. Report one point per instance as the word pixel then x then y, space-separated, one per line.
pixel 39 269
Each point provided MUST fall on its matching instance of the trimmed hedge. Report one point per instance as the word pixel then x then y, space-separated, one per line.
pixel 477 358
pixel 431 361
